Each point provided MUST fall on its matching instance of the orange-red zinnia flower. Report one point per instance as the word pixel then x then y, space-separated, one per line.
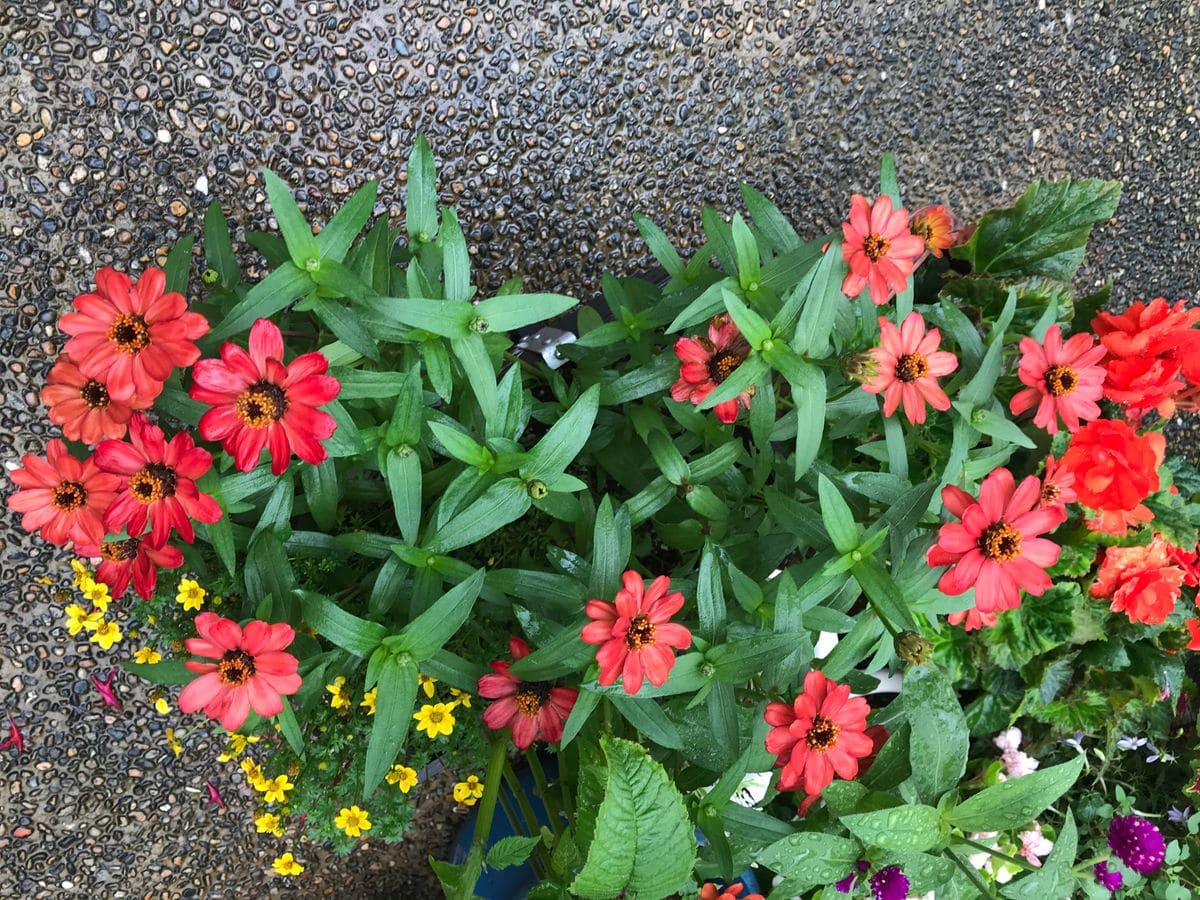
pixel 1058 486
pixel 635 633
pixel 1142 582
pixel 131 558
pixel 908 365
pixel 531 710
pixel 1115 469
pixel 820 734
pixel 935 226
pixel 132 335
pixel 258 402
pixel 879 248
pixel 1062 380
pixel 996 548
pixel 708 361
pixel 973 618
pixel 61 497
pixel 158 484
pixel 82 406
pixel 250 671
pixel 730 892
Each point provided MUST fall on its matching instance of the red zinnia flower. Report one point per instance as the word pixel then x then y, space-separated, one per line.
pixel 708 361
pixel 634 632
pixel 132 335
pixel 880 249
pixel 934 225
pixel 159 484
pixel 532 710
pixel 1142 582
pixel 1062 380
pixel 131 558
pixel 908 366
pixel 1058 486
pixel 82 405
pixel 820 734
pixel 974 619
pixel 61 497
pixel 257 401
pixel 251 669
pixel 1115 469
pixel 996 548
pixel 730 892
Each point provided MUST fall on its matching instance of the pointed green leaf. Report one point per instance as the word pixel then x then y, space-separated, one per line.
pixel 336 237
pixel 218 247
pixel 424 635
pixel 421 204
pixel 396 694
pixel 302 246
pixel 565 439
pixel 269 296
pixel 508 313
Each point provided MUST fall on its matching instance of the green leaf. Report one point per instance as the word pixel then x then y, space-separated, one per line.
pixel 1044 233
pixel 302 246
pixel 425 635
pixel 218 247
pixel 995 425
pixel 837 517
pixel 403 476
pixel 267 572
pixel 504 502
pixel 660 245
pixel 337 280
pixel 979 390
pixel 178 265
pixel 321 492
pixel 742 378
pixel 421 211
pixel 754 327
pixel 1054 879
pixel 269 296
pixel 461 446
pixel 514 311
pixel 748 266
pixel 885 595
pixel 888 185
pixel 808 394
pixel 336 237
pixel 566 437
pixel 720 239
pixel 703 307
pixel 563 653
pixel 902 828
pixel 472 355
pixel 584 706
pixel 396 694
pixel 770 222
pixel 166 671
pixel 277 512
pixel 808 858
pixel 1017 801
pixel 348 631
pixel 648 717
pixel 710 595
pixel 644 843
pixel 511 851
pixel 939 740
pixel 290 728
pixel 739 660
pixel 346 326
pixel 391 318
pixel 456 261
pixel 611 545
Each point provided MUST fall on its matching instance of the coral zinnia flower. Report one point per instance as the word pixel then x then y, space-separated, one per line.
pixel 260 402
pixel 159 483
pixel 1062 380
pixel 1115 469
pixel 880 249
pixel 996 548
pixel 251 669
pixel 909 365
pixel 708 361
pixel 973 618
pixel 634 632
pixel 131 559
pixel 935 226
pixel 532 710
pixel 1058 486
pixel 132 335
pixel 1142 582
pixel 820 734
pixel 710 891
pixel 61 497
pixel 82 406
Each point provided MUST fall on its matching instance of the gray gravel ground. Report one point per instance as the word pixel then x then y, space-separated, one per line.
pixel 120 120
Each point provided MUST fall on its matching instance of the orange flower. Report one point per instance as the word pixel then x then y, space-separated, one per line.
pixel 1193 627
pixel 1141 582
pixel 1144 366
pixel 908 365
pixel 974 619
pixel 879 249
pixel 934 225
pixel 82 405
pixel 1115 469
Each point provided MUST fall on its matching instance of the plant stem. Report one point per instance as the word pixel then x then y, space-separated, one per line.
pixel 568 805
pixel 473 867
pixel 891 629
pixel 969 871
pixel 1016 861
pixel 514 785
pixel 543 786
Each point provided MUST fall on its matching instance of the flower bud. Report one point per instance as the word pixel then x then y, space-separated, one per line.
pixel 210 276
pixel 860 367
pixel 537 489
pixel 913 648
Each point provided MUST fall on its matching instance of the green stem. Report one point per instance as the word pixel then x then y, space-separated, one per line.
pixel 891 629
pixel 568 805
pixel 543 787
pixel 1015 860
pixel 473 867
pixel 514 785
pixel 1088 863
pixel 510 813
pixel 972 875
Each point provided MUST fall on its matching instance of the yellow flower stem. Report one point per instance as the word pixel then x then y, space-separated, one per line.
pixel 473 867
pixel 543 789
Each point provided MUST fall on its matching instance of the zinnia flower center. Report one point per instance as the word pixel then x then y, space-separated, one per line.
pixel 876 246
pixel 1061 380
pixel 922 228
pixel 130 333
pixel 1050 493
pixel 119 551
pixel 94 394
pixel 235 668
pixel 530 698
pixel 261 404
pixel 823 734
pixel 640 633
pixel 911 366
pixel 153 483
pixel 1000 542
pixel 722 363
pixel 68 496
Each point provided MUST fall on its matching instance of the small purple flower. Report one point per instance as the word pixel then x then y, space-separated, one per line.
pixel 1075 741
pixel 889 883
pixel 1137 843
pixel 1111 881
pixel 1178 816
pixel 847 884
pixel 1130 742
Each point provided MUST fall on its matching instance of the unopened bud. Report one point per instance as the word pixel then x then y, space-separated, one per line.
pixel 860 367
pixel 913 648
pixel 537 489
pixel 210 276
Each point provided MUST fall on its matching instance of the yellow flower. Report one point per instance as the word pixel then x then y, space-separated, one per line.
pixel 78 619
pixel 436 719
pixel 287 865
pixel 254 775
pixel 341 696
pixel 237 746
pixel 173 742
pixel 353 821
pixel 147 657
pixel 469 791
pixel 427 682
pixel 152 619
pixel 403 776
pixel 368 701
pixel 46 580
pixel 105 634
pixel 190 594
pixel 461 697
pixel 217 601
pixel 81 572
pixel 161 704
pixel 275 790
pixel 96 593
pixel 267 823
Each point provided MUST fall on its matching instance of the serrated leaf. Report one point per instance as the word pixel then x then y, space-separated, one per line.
pixel 510 851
